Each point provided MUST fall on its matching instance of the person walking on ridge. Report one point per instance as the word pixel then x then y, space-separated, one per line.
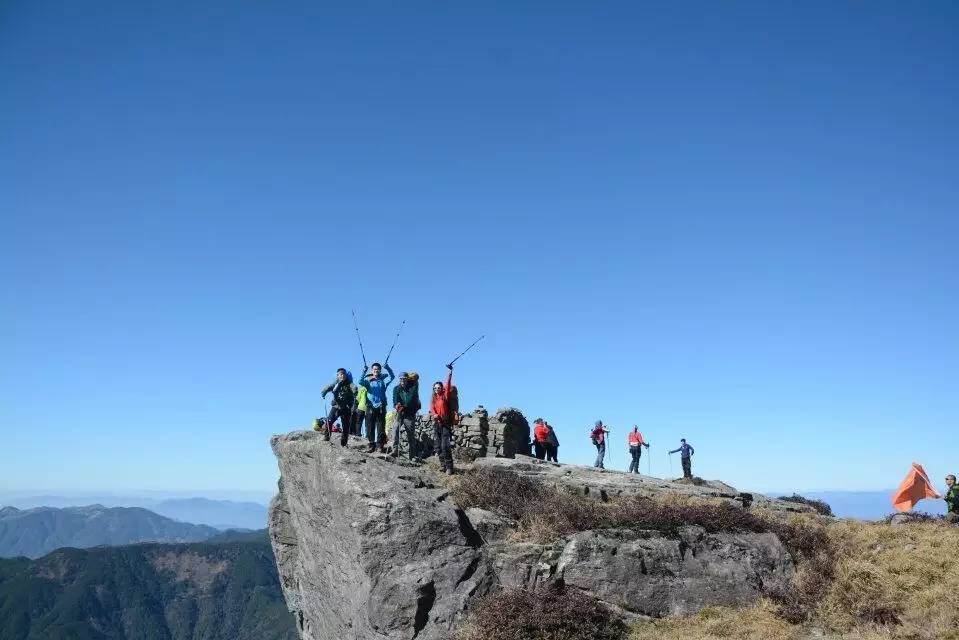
pixel 406 402
pixel 441 410
pixel 686 452
pixel 636 443
pixel 540 438
pixel 598 436
pixel 552 445
pixel 344 393
pixel 376 384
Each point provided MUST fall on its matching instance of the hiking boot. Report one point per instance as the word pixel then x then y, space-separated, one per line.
pixel 326 437
pixel 449 472
pixel 371 448
pixel 344 442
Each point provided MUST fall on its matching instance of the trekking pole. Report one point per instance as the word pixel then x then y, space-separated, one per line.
pixel 669 456
pixel 385 362
pixel 465 350
pixel 360 340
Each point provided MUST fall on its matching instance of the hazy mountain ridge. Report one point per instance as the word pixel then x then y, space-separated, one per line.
pixel 36 532
pixel 200 591
pixel 219 513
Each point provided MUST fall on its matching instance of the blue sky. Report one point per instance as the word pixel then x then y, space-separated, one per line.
pixel 735 223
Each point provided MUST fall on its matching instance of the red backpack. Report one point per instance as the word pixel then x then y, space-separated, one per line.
pixel 454 404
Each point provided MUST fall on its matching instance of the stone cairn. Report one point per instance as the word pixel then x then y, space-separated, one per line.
pixel 477 435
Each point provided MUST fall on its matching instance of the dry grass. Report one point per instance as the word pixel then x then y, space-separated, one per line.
pixel 756 623
pixel 550 614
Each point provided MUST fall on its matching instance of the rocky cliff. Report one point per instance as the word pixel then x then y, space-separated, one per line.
pixel 368 547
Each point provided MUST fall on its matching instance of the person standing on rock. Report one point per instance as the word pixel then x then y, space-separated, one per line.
pixel 598 436
pixel 359 410
pixel 442 413
pixel 376 384
pixel 406 402
pixel 540 439
pixel 686 453
pixel 552 445
pixel 636 443
pixel 344 393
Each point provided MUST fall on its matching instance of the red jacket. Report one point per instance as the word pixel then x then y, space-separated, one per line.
pixel 440 404
pixel 541 433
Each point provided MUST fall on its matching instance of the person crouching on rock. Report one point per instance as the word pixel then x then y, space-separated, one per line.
pixel 443 421
pixel 376 385
pixel 406 402
pixel 540 438
pixel 344 393
pixel 636 443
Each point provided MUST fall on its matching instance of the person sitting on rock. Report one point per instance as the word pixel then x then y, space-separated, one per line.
pixel 952 500
pixel 635 442
pixel 376 384
pixel 441 411
pixel 598 436
pixel 406 402
pixel 552 445
pixel 344 393
pixel 540 438
pixel 685 453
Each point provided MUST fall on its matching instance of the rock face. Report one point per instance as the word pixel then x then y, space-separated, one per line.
pixel 369 548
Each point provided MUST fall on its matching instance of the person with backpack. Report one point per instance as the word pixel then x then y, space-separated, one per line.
pixel 406 402
pixel 952 500
pixel 344 394
pixel 540 439
pixel 636 443
pixel 376 384
pixel 442 411
pixel 359 410
pixel 552 445
pixel 598 436
pixel 685 452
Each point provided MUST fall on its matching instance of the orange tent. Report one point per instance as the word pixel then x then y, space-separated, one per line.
pixel 914 488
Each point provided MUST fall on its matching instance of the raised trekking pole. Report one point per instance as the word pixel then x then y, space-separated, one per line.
pixel 465 350
pixel 385 362
pixel 360 340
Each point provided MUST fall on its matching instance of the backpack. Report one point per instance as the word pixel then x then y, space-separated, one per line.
pixel 454 404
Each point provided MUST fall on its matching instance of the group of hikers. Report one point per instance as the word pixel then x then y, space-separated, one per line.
pixel 355 404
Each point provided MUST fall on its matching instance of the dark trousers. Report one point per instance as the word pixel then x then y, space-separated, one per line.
pixel 687 468
pixel 442 443
pixel 346 422
pixel 636 453
pixel 358 417
pixel 539 450
pixel 375 425
pixel 552 453
pixel 406 424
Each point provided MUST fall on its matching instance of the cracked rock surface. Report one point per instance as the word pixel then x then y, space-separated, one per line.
pixel 369 548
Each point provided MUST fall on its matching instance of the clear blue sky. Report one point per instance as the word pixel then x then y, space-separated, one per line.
pixel 735 222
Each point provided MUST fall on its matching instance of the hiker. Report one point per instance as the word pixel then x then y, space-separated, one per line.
pixel 686 452
pixel 406 402
pixel 359 410
pixel 540 438
pixel 952 500
pixel 552 445
pixel 376 384
pixel 598 436
pixel 636 443
pixel 442 411
pixel 344 394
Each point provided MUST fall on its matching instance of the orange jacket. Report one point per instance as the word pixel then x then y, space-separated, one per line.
pixel 635 439
pixel 541 433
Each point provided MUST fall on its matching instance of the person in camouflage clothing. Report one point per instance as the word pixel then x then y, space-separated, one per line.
pixel 952 500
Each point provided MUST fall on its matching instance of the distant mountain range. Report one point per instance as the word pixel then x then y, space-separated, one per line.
pixel 36 532
pixel 223 589
pixel 222 514
pixel 866 505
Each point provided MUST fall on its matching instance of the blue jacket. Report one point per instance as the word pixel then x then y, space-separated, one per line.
pixel 686 450
pixel 376 389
